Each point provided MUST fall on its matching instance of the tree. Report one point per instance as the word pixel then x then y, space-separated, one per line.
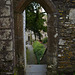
pixel 34 19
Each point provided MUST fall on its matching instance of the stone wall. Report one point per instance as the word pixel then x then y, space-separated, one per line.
pixel 66 28
pixel 72 15
pixel 66 52
pixel 6 37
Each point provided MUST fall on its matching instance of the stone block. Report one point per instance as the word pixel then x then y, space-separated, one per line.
pixel 8 1
pixel 6 66
pixel 6 56
pixel 9 56
pixel 1 56
pixel 5 22
pixel 5 34
pixel 6 45
pixel 5 11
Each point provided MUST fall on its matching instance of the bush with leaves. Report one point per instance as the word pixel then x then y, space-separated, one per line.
pixel 39 50
pixel 35 20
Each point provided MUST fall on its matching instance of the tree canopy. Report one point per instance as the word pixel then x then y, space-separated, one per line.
pixel 34 19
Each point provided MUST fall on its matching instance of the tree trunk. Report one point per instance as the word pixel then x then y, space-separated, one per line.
pixel 39 37
pixel 35 37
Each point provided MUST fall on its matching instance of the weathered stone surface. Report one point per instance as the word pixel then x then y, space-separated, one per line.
pixel 66 48
pixel 8 1
pixel 5 11
pixel 4 66
pixel 4 2
pixel 4 8
pixel 6 46
pixel 5 22
pixel 6 57
pixel 66 52
pixel 1 56
pixel 5 34
pixel 9 56
pixel 72 15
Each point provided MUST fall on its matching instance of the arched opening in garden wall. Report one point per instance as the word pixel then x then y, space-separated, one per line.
pixel 35 22
pixel 61 38
pixel 46 57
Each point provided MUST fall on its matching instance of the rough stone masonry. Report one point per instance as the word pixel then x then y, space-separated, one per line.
pixel 6 37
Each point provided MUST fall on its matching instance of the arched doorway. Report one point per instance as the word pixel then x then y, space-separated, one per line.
pixel 51 55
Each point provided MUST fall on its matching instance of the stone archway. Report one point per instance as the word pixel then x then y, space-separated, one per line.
pixel 46 4
pixel 51 55
pixel 9 22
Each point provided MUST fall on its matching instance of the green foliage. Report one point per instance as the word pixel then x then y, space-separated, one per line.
pixel 34 20
pixel 57 74
pixel 39 50
pixel 62 73
pixel 45 40
pixel 74 73
pixel 15 71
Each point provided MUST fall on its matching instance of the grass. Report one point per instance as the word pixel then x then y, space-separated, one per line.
pixel 27 53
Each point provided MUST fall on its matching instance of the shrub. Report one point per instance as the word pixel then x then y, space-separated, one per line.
pixel 39 50
pixel 45 40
